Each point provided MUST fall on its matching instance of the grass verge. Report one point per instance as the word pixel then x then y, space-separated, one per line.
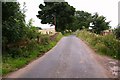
pixel 105 45
pixel 19 57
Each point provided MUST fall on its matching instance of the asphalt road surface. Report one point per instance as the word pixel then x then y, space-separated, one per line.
pixel 70 58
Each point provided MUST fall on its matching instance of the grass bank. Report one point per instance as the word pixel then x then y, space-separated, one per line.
pixel 105 45
pixel 20 56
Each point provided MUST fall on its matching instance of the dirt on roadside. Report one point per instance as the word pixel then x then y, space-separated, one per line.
pixel 112 66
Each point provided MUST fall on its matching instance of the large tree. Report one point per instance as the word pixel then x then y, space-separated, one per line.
pixel 99 23
pixel 59 14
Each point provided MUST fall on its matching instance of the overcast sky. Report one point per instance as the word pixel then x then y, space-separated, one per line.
pixel 107 8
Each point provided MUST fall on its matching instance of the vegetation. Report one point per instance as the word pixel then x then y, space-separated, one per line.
pixel 106 45
pixel 64 17
pixel 82 20
pixel 58 14
pixel 20 56
pixel 117 32
pixel 99 23
pixel 21 42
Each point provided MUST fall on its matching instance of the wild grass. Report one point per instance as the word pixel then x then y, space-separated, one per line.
pixel 105 45
pixel 19 57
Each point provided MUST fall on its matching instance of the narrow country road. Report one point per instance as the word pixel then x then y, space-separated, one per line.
pixel 70 58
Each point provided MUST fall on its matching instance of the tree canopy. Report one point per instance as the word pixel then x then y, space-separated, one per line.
pixel 83 19
pixel 64 17
pixel 99 23
pixel 13 22
pixel 14 27
pixel 55 13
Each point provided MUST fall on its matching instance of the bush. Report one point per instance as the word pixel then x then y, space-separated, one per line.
pixel 117 33
pixel 44 39
pixel 15 52
pixel 102 48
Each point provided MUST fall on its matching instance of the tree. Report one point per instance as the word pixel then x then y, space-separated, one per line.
pixel 32 30
pixel 83 19
pixel 30 22
pixel 58 14
pixel 13 23
pixel 99 23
